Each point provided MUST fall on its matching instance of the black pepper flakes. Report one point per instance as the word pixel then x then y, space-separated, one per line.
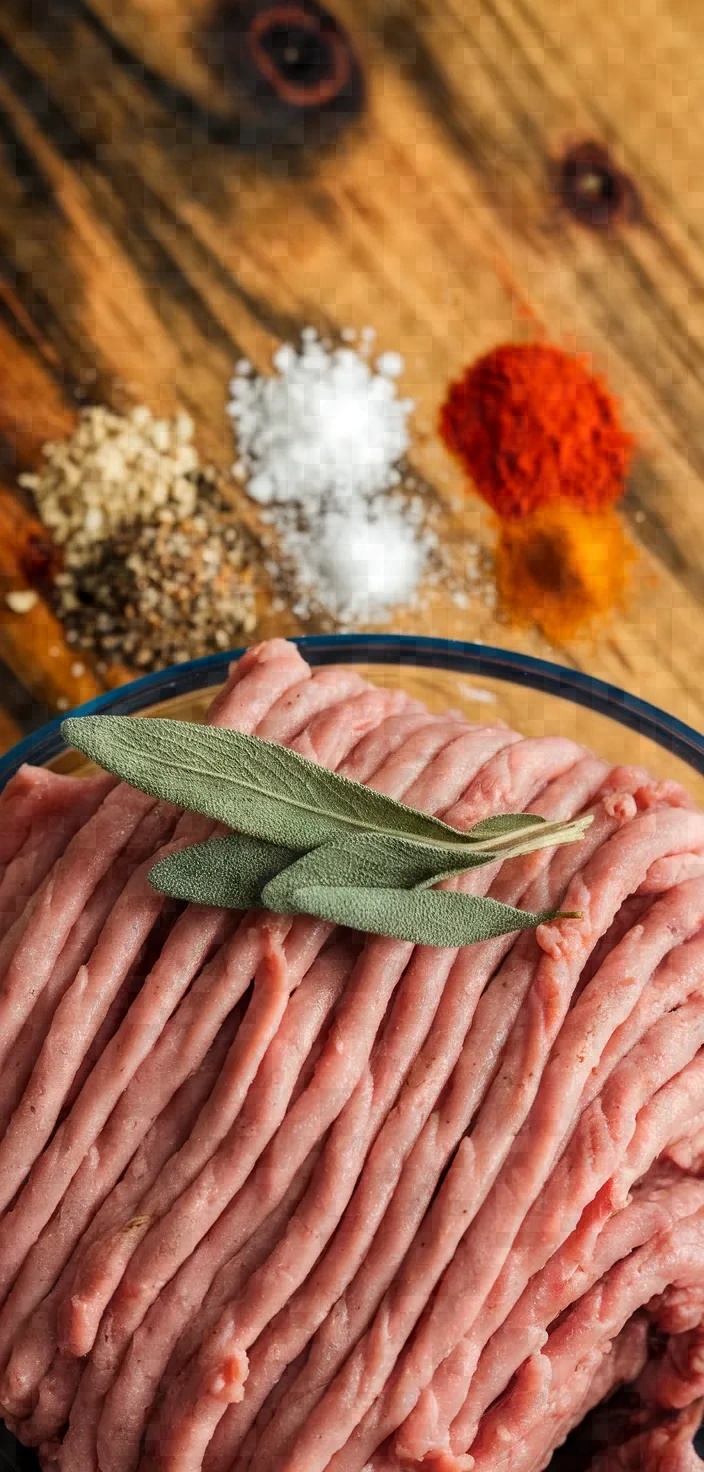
pixel 167 591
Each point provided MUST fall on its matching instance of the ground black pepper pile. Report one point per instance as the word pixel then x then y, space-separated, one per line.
pixel 169 591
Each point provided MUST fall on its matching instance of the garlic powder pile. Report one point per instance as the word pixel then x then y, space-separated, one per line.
pixel 114 470
pixel 319 444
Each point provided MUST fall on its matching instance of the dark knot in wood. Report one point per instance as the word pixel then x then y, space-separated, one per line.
pixel 293 62
pixel 594 189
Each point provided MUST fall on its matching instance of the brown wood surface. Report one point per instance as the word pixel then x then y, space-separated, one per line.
pixel 142 253
pixel 9 731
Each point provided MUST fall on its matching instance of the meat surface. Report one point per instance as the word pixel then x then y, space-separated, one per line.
pixel 280 1197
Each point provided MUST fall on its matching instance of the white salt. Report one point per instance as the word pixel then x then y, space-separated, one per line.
pixel 319 444
pixel 324 425
pixel 390 364
pixel 363 565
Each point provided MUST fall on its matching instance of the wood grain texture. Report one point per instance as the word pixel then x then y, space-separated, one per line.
pixel 32 642
pixel 9 731
pixel 142 252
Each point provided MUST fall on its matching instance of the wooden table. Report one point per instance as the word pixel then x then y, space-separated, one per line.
pixel 142 252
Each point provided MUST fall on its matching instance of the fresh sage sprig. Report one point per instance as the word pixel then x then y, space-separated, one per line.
pixel 234 871
pixel 238 872
pixel 229 872
pixel 251 785
pixel 310 841
pixel 430 917
pixel 242 873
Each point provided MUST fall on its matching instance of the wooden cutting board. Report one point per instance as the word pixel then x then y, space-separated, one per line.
pixel 142 252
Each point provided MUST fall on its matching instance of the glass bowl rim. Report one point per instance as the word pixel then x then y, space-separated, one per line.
pixel 458 656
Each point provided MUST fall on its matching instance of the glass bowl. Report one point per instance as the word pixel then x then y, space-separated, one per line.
pixel 531 695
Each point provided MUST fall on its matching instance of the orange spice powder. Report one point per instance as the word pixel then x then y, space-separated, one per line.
pixel 533 425
pixel 561 568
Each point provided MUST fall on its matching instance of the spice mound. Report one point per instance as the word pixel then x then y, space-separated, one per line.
pixel 560 568
pixel 319 444
pixel 157 568
pixel 533 425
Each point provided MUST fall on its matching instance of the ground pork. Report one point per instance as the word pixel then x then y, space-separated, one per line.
pixel 279 1197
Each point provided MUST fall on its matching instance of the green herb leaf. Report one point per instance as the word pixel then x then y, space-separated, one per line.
pixel 428 917
pixel 504 823
pixel 529 838
pixel 378 861
pixel 229 872
pixel 366 861
pixel 310 841
pixel 254 786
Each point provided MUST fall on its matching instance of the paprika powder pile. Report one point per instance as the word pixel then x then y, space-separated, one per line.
pixel 541 437
pixel 532 424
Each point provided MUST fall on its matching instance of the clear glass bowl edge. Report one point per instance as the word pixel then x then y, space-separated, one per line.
pixel 628 710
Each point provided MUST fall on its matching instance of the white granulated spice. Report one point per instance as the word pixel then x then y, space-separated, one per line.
pixel 324 425
pixel 391 364
pixel 318 445
pixel 362 563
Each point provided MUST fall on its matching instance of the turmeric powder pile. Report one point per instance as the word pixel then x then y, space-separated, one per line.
pixel 560 568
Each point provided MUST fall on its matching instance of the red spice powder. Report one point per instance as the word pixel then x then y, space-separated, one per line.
pixel 533 425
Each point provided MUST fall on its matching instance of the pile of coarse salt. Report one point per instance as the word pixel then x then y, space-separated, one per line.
pixel 319 444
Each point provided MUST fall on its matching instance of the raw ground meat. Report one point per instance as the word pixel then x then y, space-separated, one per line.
pixel 278 1197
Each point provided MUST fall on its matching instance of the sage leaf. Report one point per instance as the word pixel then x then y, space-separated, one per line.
pixel 229 872
pixel 310 841
pixel 234 871
pixel 254 786
pixel 379 861
pixel 430 917
pixel 503 824
pixel 366 861
pixel 529 839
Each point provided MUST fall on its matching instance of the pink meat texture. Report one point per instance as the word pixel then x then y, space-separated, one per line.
pixel 281 1197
